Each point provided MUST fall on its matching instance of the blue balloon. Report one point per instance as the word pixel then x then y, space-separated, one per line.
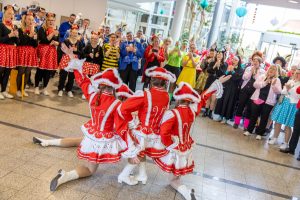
pixel 241 11
pixel 204 4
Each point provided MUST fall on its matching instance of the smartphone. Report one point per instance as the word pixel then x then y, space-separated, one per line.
pixel 154 50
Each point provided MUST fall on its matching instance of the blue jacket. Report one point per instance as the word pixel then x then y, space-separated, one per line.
pixel 130 57
pixel 64 27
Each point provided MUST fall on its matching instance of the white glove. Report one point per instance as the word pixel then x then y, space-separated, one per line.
pixel 75 64
pixel 174 145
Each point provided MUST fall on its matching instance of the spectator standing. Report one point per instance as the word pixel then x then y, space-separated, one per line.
pixel 111 53
pixel 9 37
pixel 131 52
pixel 226 104
pixel 189 63
pixel 65 26
pixel 40 17
pixel 267 87
pixel 154 56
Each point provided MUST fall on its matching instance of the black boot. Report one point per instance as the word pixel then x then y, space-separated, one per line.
pixel 205 114
pixel 210 114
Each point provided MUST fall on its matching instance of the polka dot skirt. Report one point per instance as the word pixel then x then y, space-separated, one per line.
pixel 48 57
pixel 8 56
pixel 27 56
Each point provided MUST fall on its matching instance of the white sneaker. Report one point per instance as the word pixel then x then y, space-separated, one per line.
pixel 70 94
pixel 258 137
pixel 45 92
pixel 284 146
pixel 60 93
pixel 37 91
pixel 246 133
pixel 7 95
pixel 83 97
pixel 272 141
pixel 1 96
pixel 25 94
pixel 19 93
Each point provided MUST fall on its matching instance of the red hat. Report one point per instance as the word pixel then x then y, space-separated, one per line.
pixel 124 91
pixel 109 77
pixel 185 92
pixel 161 73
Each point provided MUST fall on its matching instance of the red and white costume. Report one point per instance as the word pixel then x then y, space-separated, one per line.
pixel 151 105
pixel 101 142
pixel 176 127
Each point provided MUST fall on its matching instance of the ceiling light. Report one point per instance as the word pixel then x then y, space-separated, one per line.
pixel 291 1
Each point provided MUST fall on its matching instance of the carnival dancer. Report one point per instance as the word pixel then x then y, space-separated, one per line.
pixel 71 42
pixel 48 41
pixel 150 105
pixel 27 55
pixel 8 57
pixel 101 143
pixel 122 94
pixel 175 132
pixel 247 89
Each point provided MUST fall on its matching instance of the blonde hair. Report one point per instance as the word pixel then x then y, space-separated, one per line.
pixel 276 70
pixel 168 39
pixel 23 23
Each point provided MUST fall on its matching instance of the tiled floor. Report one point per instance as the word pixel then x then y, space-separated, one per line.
pixel 228 165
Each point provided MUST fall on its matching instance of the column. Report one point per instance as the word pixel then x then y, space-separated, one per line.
pixel 178 19
pixel 215 26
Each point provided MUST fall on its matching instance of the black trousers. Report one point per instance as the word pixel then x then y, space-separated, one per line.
pixel 129 77
pixel 42 75
pixel 296 133
pixel 244 102
pixel 263 111
pixel 4 76
pixel 63 75
pixel 21 71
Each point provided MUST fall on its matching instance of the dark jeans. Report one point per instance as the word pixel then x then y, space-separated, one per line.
pixel 244 101
pixel 63 75
pixel 263 111
pixel 42 75
pixel 4 76
pixel 21 71
pixel 129 77
pixel 296 133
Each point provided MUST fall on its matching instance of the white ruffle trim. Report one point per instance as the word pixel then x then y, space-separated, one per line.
pixel 216 86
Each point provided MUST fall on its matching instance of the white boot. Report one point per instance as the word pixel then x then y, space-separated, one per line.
pixel 45 143
pixel 185 192
pixel 63 177
pixel 124 176
pixel 142 175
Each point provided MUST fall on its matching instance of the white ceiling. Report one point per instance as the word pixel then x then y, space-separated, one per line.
pixel 277 3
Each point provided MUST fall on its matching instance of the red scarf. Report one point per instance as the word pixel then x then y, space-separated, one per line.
pixel 27 31
pixel 49 31
pixel 8 23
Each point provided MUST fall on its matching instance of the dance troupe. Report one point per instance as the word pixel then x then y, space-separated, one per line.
pixel 134 126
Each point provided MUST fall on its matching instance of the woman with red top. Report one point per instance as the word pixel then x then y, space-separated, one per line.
pixel 154 56
pixel 175 131
pixel 27 57
pixel 48 41
pixel 105 133
pixel 8 56
pixel 150 105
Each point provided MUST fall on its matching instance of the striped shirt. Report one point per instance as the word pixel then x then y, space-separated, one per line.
pixel 110 61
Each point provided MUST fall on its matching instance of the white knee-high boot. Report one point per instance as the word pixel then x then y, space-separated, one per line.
pixel 63 177
pixel 45 143
pixel 182 189
pixel 142 174
pixel 125 177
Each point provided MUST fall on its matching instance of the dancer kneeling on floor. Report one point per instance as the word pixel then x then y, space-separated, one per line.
pixel 122 94
pixel 101 142
pixel 150 105
pixel 175 132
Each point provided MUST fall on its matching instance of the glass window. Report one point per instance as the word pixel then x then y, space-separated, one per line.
pixel 163 21
pixel 144 18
